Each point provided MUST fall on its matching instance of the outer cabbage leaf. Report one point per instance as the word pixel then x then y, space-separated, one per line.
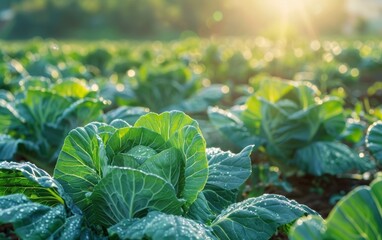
pixel 40 109
pixel 374 140
pixel 358 215
pixel 34 82
pixel 251 116
pixel 288 117
pixel 233 128
pixel 157 225
pixel 201 100
pixel 354 131
pixel 273 89
pixel 44 113
pixel 81 112
pixel 308 228
pixel 71 88
pixel 329 157
pixel 227 170
pixel 119 123
pixel 128 114
pixel 257 218
pixel 31 181
pixel 81 163
pixel 218 198
pixel 277 101
pixel 332 117
pixel 8 116
pixel 6 96
pixel 287 130
pixel 36 221
pixel 127 193
pixel 160 86
pixel 201 211
pixel 215 138
pixel 8 147
pixel 40 106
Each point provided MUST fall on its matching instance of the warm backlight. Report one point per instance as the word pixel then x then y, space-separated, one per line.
pixel 291 12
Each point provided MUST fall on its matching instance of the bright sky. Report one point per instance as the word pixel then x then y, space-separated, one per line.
pixel 292 10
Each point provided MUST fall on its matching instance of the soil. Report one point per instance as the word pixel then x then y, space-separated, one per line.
pixel 318 193
pixel 6 232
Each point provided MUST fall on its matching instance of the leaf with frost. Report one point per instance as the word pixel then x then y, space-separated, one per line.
pixel 308 228
pixel 81 164
pixel 157 225
pixel 358 215
pixel 32 220
pixel 233 128
pixel 324 157
pixel 31 181
pixel 257 218
pixel 227 170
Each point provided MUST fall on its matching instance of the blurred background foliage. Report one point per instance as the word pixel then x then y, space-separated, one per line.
pixel 169 19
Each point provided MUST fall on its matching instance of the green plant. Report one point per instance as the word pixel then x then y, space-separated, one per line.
pixel 265 176
pixel 331 75
pixel 173 86
pixel 230 70
pixel 34 122
pixel 34 206
pixel 358 215
pixel 155 180
pixel 296 126
pixel 374 140
pixel 98 58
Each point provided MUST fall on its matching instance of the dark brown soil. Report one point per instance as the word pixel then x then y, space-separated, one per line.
pixel 6 232
pixel 319 193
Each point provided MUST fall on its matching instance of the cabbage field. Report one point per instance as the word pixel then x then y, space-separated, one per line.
pixel 227 138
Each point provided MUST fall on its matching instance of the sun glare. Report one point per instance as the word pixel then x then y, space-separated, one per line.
pixel 288 6
pixel 292 11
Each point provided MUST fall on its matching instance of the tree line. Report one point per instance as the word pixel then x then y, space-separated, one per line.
pixel 164 18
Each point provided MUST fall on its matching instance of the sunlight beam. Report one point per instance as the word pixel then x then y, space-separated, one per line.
pixel 290 12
